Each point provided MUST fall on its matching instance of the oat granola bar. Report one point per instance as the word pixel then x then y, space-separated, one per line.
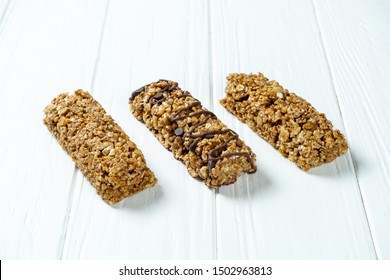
pixel 286 121
pixel 210 150
pixel 98 146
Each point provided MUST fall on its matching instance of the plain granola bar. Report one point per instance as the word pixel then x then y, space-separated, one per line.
pixel 210 150
pixel 98 146
pixel 286 121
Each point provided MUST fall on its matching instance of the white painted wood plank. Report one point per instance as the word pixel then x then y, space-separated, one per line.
pixel 4 5
pixel 357 43
pixel 282 212
pixel 143 42
pixel 46 48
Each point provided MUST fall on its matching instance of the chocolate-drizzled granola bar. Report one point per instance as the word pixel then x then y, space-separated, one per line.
pixel 210 150
pixel 98 146
pixel 286 121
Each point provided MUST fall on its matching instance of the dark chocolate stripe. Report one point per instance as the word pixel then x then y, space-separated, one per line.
pixel 213 162
pixel 176 115
pixel 213 158
pixel 202 112
pixel 194 143
pixel 154 101
pixel 210 133
pixel 137 92
pixel 197 125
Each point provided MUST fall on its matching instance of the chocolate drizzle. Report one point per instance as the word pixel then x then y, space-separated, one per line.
pixel 202 112
pixel 213 154
pixel 176 116
pixel 155 100
pixel 137 92
pixel 216 153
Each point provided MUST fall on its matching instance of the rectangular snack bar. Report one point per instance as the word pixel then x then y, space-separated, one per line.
pixel 286 121
pixel 210 150
pixel 98 146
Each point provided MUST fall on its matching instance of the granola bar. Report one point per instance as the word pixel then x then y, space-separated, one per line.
pixel 98 146
pixel 286 121
pixel 210 150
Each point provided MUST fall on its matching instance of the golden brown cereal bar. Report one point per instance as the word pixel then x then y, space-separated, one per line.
pixel 210 150
pixel 98 146
pixel 286 121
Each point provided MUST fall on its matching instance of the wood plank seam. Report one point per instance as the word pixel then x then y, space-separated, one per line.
pixel 211 84
pixel 93 81
pixel 210 46
pixel 349 153
pixel 68 211
pixel 5 14
pixel 97 61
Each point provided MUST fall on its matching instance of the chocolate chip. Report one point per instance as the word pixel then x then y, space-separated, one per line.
pixel 137 92
pixel 158 96
pixel 179 131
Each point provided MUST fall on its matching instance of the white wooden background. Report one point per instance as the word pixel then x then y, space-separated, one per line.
pixel 336 54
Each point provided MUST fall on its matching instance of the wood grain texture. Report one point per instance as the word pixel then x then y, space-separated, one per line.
pixel 4 12
pixel 176 218
pixel 357 44
pixel 41 56
pixel 282 212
